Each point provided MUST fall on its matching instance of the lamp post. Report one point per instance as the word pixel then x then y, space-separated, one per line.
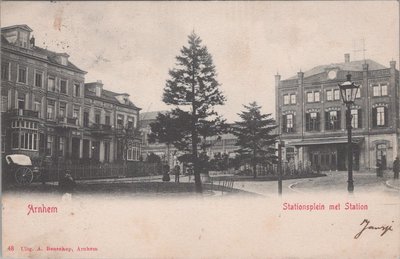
pixel 348 91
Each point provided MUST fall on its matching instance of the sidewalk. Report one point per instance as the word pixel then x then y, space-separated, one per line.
pixel 393 183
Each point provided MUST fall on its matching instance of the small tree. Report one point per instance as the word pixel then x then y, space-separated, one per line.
pixel 254 137
pixel 193 85
pixel 171 129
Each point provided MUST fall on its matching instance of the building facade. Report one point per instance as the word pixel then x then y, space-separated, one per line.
pixel 47 110
pixel 312 116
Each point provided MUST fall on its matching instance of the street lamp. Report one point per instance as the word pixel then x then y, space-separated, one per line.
pixel 348 91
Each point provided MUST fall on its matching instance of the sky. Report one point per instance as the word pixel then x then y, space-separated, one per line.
pixel 130 46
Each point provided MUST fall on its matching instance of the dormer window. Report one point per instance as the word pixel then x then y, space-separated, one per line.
pixel 64 61
pixel 98 91
pixel 24 39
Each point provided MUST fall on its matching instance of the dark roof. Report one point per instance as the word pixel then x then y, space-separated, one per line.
pixel 346 66
pixel 51 56
pixel 110 97
pixel 144 116
pixel 24 26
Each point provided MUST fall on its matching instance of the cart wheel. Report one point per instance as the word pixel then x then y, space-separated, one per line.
pixel 23 176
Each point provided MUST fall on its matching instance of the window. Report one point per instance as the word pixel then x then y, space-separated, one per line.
pixel 50 109
pixel 5 71
pixel 98 91
pixel 332 120
pixel 384 90
pixel 106 151
pixel 63 61
pixel 107 119
pixel 310 97
pixel 313 97
pixel 86 119
pixel 356 118
pixel 63 86
pixel 132 153
pixel 293 99
pixel 130 122
pixel 77 90
pixel 63 107
pixel 49 146
pixel 380 90
pixel 51 86
pixel 38 79
pixel 22 75
pixel 75 113
pixel 336 94
pixel 97 118
pixel 286 99
pixel 37 107
pixel 120 121
pixel 61 147
pixel 4 103
pixel 23 37
pixel 312 121
pixel 288 123
pixel 316 97
pixel 21 101
pixel 380 118
pixel 329 95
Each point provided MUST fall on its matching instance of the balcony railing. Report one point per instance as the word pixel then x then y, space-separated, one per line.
pixel 101 127
pixel 67 121
pixel 26 113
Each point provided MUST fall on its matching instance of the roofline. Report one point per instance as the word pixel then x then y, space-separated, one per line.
pixel 108 101
pixel 17 26
pixel 44 60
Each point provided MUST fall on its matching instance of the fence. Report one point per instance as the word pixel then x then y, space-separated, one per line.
pixel 53 172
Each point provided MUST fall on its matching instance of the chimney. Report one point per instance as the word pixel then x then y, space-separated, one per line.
pixel 347 58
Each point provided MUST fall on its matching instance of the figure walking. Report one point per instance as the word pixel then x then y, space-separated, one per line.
pixel 396 168
pixel 177 172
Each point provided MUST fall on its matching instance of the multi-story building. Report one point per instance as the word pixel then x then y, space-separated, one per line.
pixel 312 119
pixel 48 110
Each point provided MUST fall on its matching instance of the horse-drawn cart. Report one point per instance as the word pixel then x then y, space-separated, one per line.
pixel 21 166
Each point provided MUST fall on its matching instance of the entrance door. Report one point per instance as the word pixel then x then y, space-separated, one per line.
pixel 75 148
pixel 85 149
pixel 381 155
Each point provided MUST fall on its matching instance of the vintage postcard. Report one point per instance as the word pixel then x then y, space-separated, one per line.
pixel 200 129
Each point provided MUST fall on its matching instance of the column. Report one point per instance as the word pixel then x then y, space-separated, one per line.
pixel 81 147
pixel 101 151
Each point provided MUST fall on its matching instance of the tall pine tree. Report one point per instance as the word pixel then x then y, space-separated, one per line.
pixel 255 138
pixel 193 84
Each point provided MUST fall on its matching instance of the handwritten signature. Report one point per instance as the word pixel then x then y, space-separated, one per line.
pixel 365 224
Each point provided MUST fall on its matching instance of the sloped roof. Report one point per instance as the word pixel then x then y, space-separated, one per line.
pixel 51 55
pixel 346 66
pixel 23 26
pixel 110 97
pixel 150 115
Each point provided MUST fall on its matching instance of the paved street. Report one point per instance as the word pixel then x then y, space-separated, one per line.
pixel 334 181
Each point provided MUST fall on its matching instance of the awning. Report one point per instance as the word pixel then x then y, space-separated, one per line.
pixel 325 141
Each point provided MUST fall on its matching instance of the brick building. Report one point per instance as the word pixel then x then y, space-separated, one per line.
pixel 48 110
pixel 312 119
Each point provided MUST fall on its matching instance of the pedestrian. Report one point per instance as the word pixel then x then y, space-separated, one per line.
pixel 166 177
pixel 379 168
pixel 396 168
pixel 177 172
